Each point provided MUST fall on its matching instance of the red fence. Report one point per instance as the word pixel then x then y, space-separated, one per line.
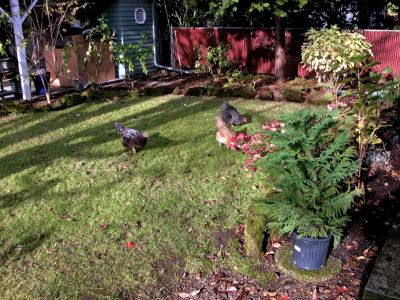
pixel 253 49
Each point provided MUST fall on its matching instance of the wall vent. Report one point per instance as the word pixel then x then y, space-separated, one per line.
pixel 140 15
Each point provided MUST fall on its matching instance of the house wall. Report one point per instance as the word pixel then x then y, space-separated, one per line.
pixel 121 16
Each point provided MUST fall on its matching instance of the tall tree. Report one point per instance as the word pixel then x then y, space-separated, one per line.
pixel 279 8
pixel 16 19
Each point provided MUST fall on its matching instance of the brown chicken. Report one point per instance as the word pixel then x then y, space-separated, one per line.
pixel 224 133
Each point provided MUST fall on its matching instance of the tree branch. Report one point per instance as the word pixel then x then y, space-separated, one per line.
pixel 2 11
pixel 28 10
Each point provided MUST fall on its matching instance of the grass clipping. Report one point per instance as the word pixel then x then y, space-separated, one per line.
pixel 283 259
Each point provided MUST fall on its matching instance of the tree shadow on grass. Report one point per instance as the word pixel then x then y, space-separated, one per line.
pixel 90 138
pixel 62 118
pixel 23 247
pixel 11 200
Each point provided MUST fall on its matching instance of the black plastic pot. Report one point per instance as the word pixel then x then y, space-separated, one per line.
pixel 309 253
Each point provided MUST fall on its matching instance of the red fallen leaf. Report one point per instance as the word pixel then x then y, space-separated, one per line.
pixel 231 289
pixel 284 297
pixel 342 289
pixel 212 257
pixel 315 294
pixel 130 244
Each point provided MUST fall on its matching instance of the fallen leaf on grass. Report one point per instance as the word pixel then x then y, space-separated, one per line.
pixel 369 253
pixel 191 294
pixel 67 218
pixel 212 257
pixel 276 245
pixel 224 178
pixel 272 294
pixel 315 294
pixel 342 289
pixel 130 244
pixel 231 289
pixel 284 297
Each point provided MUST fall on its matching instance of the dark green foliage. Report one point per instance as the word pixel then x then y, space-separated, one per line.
pixel 245 92
pixel 14 106
pixel 196 91
pixel 156 91
pixel 72 99
pixel 309 170
pixel 292 95
pixel 91 95
pixel 44 108
pixel 219 92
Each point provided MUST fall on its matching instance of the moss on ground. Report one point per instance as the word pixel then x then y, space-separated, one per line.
pixel 251 267
pixel 292 95
pixel 72 99
pixel 196 91
pixel 245 92
pixel 283 258
pixel 156 91
pixel 254 232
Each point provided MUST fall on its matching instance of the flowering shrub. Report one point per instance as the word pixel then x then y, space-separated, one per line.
pixel 256 145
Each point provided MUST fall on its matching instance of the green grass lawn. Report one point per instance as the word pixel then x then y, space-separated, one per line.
pixel 71 197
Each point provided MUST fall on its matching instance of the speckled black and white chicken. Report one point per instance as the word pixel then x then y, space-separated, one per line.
pixel 230 115
pixel 131 138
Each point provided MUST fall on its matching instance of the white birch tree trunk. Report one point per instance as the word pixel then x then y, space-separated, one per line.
pixel 21 50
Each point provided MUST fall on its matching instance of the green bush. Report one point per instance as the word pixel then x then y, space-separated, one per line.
pixel 215 62
pixel 310 170
pixel 331 53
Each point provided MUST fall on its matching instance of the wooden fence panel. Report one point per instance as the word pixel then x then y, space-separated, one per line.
pixel 253 49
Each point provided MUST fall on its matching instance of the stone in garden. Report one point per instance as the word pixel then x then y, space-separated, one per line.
pixel 156 91
pixel 384 282
pixel 264 93
pixel 320 97
pixel 72 99
pixel 245 92
pixel 177 91
pixel 292 95
pixel 196 91
pixel 254 233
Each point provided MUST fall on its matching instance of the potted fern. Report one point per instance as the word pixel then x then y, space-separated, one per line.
pixel 310 172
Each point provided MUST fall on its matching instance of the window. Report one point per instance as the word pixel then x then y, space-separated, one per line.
pixel 140 15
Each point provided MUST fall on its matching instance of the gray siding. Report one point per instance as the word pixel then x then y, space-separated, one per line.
pixel 121 16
